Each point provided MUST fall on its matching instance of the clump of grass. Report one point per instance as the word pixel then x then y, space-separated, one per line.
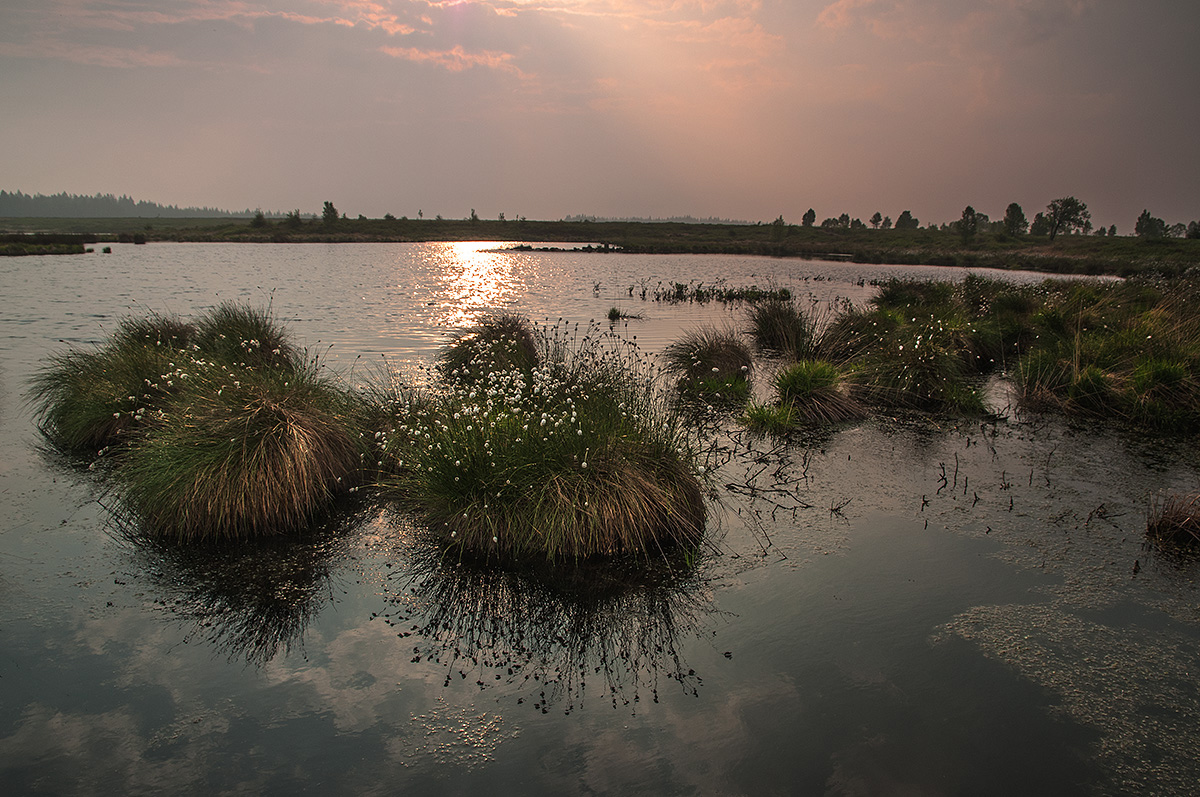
pixel 234 333
pixel 497 343
pixel 90 399
pixel 710 362
pixel 781 326
pixel 223 429
pixel 1174 521
pixel 580 456
pixel 234 458
pixel 771 418
pixel 817 391
pixel 616 314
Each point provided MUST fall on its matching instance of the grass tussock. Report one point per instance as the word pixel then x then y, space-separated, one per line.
pixel 498 343
pixel 1174 521
pixel 261 456
pixel 710 363
pixel 817 392
pixel 212 433
pixel 581 456
pixel 782 327
pixel 90 399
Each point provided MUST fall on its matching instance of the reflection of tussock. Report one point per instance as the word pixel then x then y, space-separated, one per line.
pixel 616 627
pixel 252 599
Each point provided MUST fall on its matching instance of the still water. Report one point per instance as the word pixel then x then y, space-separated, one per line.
pixel 897 607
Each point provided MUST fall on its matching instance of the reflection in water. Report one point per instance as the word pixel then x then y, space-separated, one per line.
pixel 251 600
pixel 474 278
pixel 619 625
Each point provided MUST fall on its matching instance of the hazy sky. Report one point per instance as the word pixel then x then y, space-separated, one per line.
pixel 745 109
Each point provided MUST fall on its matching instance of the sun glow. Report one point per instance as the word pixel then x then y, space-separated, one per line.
pixel 475 279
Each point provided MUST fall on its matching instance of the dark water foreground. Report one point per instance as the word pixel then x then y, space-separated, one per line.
pixel 904 606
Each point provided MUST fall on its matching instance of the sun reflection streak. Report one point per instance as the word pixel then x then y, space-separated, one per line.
pixel 475 278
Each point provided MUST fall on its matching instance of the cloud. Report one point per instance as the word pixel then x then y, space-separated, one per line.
pixel 456 59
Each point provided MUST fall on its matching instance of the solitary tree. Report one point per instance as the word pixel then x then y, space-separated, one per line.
pixel 259 219
pixel 968 225
pixel 329 214
pixel 1148 226
pixel 1014 220
pixel 887 222
pixel 877 219
pixel 809 218
pixel 1112 230
pixel 1067 215
pixel 906 222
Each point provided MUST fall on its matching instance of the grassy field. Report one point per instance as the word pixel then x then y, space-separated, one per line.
pixel 1067 254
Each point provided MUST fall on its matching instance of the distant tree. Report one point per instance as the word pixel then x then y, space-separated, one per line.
pixel 329 214
pixel 1067 215
pixel 968 224
pixel 887 222
pixel 906 222
pixel 420 214
pixel 1112 230
pixel 259 220
pixel 809 218
pixel 474 217
pixel 1040 225
pixel 876 220
pixel 388 217
pixel 438 217
pixel 501 216
pixel 778 227
pixel 293 218
pixel 1177 230
pixel 1014 220
pixel 857 224
pixel 1193 229
pixel 1148 226
pixel 1101 231
pixel 361 217
pixel 844 220
pixel 830 224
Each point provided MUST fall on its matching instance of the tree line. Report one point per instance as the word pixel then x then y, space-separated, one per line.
pixel 1065 216
pixel 105 206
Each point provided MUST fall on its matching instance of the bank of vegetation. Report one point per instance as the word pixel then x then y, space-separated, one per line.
pixel 1059 240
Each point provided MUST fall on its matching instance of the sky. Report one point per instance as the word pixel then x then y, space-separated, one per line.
pixel 742 109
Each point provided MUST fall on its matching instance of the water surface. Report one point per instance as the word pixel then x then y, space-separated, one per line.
pixel 904 606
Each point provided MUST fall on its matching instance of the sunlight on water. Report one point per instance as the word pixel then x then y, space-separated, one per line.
pixel 474 278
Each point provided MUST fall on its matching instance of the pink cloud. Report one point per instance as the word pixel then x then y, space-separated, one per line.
pixel 456 59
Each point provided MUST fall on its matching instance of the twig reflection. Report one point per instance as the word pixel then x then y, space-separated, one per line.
pixel 616 628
